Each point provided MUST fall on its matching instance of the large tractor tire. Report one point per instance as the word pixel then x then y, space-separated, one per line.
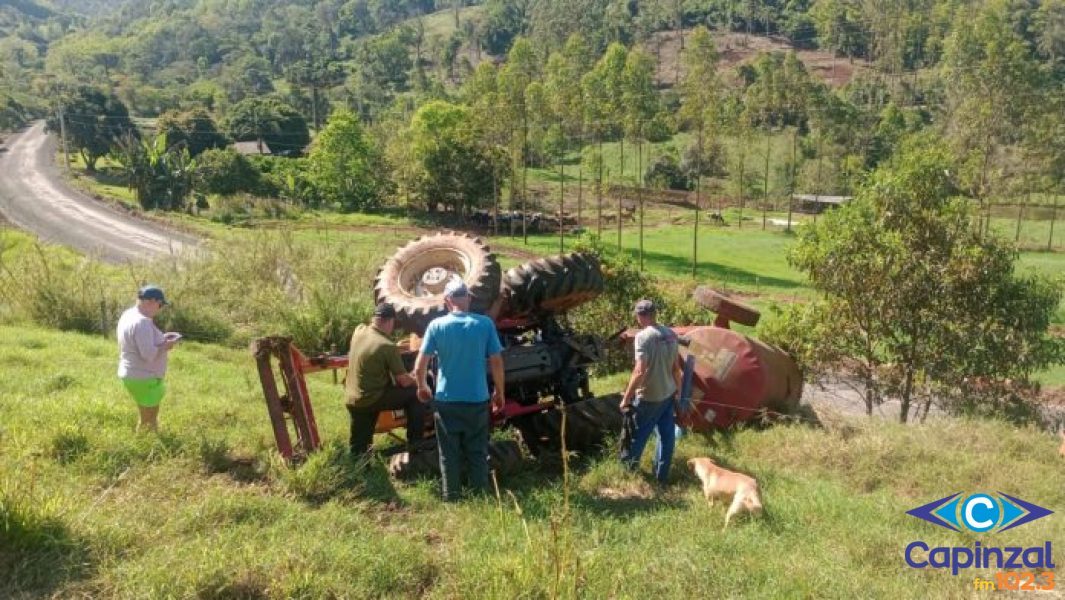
pixel 504 457
pixel 588 424
pixel 552 285
pixel 413 280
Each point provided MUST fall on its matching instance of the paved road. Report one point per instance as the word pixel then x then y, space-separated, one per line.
pixel 34 197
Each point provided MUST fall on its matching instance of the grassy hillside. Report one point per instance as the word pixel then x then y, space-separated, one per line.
pixel 89 508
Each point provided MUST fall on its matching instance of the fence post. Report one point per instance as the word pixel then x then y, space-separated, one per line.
pixel 103 317
pixel 1053 216
pixel 1020 216
pixel 639 190
pixel 695 228
pixel 333 352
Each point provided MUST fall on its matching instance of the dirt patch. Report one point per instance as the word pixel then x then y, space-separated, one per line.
pixel 630 490
pixel 397 229
pixel 1054 397
pixel 737 48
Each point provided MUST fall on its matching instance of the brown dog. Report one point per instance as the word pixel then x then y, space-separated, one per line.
pixel 722 482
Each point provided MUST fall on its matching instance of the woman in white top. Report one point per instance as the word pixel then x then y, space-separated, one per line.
pixel 142 354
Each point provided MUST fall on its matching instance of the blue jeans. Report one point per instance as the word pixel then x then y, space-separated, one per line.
pixel 651 416
pixel 462 432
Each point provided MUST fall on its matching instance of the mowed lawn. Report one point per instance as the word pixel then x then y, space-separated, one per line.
pixel 88 508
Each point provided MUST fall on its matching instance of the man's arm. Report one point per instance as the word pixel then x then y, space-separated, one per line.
pixel 397 370
pixel 678 373
pixel 421 369
pixel 496 363
pixel 639 374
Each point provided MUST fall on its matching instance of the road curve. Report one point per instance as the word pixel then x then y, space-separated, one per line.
pixel 34 197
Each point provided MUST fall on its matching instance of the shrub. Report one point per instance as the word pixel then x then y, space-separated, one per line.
pixel 665 173
pixel 193 130
pixel 612 311
pixel 225 171
pixel 195 320
pixel 287 179
pixel 59 290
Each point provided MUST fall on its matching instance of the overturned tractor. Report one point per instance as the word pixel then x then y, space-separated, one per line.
pixel 548 398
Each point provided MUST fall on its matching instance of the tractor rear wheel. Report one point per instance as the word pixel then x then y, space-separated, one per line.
pixel 504 457
pixel 555 284
pixel 588 425
pixel 413 280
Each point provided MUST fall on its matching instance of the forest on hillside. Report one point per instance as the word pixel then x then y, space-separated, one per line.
pixel 449 103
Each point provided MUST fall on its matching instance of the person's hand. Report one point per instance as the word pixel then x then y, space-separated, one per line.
pixel 424 393
pixel 626 404
pixel 497 399
pixel 170 339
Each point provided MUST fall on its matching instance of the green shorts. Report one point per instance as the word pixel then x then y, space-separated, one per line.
pixel 147 393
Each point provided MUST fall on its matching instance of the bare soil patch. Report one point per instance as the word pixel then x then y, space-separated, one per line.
pixel 737 48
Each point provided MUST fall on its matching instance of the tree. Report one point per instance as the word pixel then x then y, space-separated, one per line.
pixel 488 118
pixel 194 130
pixel 94 122
pixel 345 166
pixel 224 171
pixel 922 304
pixel 664 173
pixel 383 65
pixel 504 20
pixel 160 175
pixel 12 113
pixel 991 80
pixel 268 121
pixel 520 71
pixel 248 76
pixel 602 90
pixel 840 26
pixel 638 95
pixel 700 108
pixel 316 73
pixel 450 168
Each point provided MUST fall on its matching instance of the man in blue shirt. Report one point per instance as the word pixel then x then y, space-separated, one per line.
pixel 464 344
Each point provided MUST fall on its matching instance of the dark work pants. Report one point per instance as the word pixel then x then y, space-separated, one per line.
pixel 650 417
pixel 364 419
pixel 462 437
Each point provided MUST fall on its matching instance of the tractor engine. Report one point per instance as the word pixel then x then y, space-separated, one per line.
pixel 548 363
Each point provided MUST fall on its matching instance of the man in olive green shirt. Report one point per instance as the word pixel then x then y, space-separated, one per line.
pixel 377 380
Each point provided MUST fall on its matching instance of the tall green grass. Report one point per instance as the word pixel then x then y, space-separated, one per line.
pixel 233 291
pixel 205 509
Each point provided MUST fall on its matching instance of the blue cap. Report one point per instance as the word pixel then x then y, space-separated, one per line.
pixel 384 310
pixel 152 292
pixel 456 288
pixel 645 307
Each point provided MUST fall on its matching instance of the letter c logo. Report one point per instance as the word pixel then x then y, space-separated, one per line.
pixel 980 512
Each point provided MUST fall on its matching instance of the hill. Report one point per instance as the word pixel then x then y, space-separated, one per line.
pixel 90 8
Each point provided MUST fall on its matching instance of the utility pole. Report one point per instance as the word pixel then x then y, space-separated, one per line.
pixel 561 195
pixel 698 186
pixel 639 189
pixel 765 177
pixel 524 173
pixel 63 134
pixel 791 178
pixel 621 187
